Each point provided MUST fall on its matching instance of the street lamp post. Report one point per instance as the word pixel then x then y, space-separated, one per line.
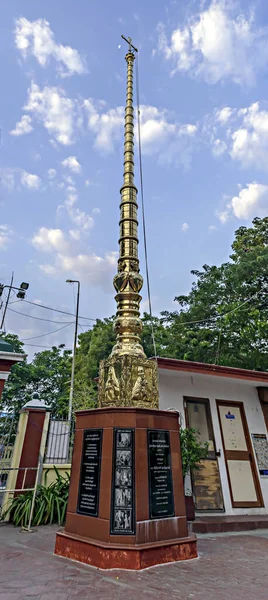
pixel 74 349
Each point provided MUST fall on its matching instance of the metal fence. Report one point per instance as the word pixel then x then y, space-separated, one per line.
pixel 60 439
pixel 6 495
pixel 8 430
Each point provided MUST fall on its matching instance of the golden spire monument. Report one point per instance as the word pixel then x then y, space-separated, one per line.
pixel 127 377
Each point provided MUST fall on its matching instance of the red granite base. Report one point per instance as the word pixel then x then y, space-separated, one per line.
pixel 107 556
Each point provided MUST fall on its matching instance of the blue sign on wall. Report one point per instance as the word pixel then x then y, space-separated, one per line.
pixel 229 416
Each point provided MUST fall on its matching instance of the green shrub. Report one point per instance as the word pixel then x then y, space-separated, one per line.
pixel 50 503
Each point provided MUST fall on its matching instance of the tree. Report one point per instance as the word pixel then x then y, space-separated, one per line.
pixel 14 393
pixel 96 345
pixel 48 374
pixel 154 327
pixel 224 317
pixel 51 376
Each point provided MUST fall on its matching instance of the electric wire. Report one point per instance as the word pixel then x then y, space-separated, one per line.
pixel 220 316
pixel 53 309
pixel 47 333
pixel 39 318
pixel 142 204
pixel 38 346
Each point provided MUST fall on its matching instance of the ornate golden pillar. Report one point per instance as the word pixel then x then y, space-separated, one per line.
pixel 127 377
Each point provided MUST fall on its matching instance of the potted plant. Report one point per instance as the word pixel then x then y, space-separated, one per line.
pixel 192 452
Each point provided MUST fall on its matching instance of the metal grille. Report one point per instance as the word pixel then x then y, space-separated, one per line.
pixel 8 430
pixel 59 442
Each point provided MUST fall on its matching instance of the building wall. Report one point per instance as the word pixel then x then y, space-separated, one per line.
pixel 173 385
pixel 49 474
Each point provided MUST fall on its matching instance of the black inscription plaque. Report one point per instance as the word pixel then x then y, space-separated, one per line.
pixel 122 509
pixel 88 495
pixel 161 499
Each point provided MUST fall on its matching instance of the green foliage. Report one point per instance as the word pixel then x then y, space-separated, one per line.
pixel 223 319
pixel 50 504
pixel 229 334
pixel 94 345
pixel 192 451
pixel 48 374
pixel 51 374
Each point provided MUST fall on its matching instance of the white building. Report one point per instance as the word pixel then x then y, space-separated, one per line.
pixel 229 407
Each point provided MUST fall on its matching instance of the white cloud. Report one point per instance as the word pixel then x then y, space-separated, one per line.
pixel 52 173
pixel 107 126
pixel 69 261
pixel 72 195
pixel 220 42
pixel 82 220
pixel 185 227
pixel 54 110
pixel 224 114
pixel 223 216
pixel 251 201
pixel 72 163
pixel 48 240
pixel 30 180
pixel 75 234
pixel 69 179
pixel 96 211
pixel 5 235
pixel 243 133
pixel 35 38
pixel 23 126
pixel 159 134
pixel 218 147
pixel 63 117
pixel 250 141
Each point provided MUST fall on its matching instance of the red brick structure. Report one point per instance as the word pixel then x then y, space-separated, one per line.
pixel 91 539
pixel 8 358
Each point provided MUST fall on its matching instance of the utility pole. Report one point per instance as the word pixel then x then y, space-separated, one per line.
pixel 7 300
pixel 21 294
pixel 74 349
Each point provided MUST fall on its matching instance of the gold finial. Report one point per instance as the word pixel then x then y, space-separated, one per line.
pixel 130 45
pixel 127 377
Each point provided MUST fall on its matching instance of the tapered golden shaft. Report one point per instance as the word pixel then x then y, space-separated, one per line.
pixel 128 281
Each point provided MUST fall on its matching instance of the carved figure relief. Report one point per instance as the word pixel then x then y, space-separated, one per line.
pixel 111 388
pixel 141 390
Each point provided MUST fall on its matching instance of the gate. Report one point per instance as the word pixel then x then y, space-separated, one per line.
pixel 8 430
pixel 22 445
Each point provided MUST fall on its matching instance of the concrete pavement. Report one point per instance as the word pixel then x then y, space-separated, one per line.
pixel 229 567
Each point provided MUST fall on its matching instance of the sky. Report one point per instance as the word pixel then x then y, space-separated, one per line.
pixel 204 123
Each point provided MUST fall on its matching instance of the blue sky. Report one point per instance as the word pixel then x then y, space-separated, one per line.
pixel 203 82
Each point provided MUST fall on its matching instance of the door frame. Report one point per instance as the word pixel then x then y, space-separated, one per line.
pixel 206 402
pixel 252 461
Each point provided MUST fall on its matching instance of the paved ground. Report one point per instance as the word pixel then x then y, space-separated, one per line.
pixel 230 567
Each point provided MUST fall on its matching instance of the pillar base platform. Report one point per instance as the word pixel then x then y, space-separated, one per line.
pixel 136 558
pixel 126 507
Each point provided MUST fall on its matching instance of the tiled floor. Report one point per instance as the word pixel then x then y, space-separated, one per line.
pixel 230 567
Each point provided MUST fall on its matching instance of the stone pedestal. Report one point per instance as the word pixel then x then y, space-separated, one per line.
pixel 126 505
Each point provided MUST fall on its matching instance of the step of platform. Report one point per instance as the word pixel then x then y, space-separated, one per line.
pixel 220 524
